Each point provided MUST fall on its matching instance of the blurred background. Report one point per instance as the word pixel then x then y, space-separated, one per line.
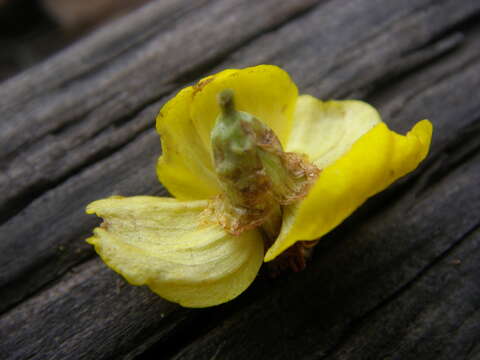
pixel 31 30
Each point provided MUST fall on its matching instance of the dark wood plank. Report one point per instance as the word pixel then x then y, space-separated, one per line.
pixel 67 153
pixel 392 254
pixel 395 275
pixel 115 89
pixel 436 316
pixel 418 298
pixel 89 298
pixel 126 64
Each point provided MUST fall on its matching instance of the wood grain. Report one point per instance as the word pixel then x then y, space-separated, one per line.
pixel 397 280
pixel 89 113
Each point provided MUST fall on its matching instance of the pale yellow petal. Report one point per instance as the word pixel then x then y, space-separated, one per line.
pixel 325 130
pixel 265 91
pixel 161 243
pixel 185 167
pixel 375 161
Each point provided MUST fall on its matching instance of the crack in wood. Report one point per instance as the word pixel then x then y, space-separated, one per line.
pixel 19 199
pixel 430 211
pixel 356 323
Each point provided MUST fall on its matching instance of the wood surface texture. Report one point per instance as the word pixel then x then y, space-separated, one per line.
pixel 400 279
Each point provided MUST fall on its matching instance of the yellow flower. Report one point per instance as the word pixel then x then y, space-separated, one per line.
pixel 166 244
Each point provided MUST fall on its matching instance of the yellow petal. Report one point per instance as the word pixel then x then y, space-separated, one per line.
pixel 161 243
pixel 265 91
pixel 325 130
pixel 375 161
pixel 185 167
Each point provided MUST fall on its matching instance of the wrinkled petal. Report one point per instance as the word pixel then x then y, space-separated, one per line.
pixel 185 167
pixel 265 91
pixel 325 130
pixel 162 243
pixel 185 122
pixel 375 161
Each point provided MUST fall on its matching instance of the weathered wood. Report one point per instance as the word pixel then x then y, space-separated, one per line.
pixel 63 154
pixel 71 319
pixel 406 302
pixel 107 82
pixel 387 283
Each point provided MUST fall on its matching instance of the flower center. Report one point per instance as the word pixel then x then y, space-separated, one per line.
pixel 256 176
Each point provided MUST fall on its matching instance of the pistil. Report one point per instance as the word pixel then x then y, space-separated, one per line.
pixel 256 176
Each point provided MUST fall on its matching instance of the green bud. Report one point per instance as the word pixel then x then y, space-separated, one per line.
pixel 255 174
